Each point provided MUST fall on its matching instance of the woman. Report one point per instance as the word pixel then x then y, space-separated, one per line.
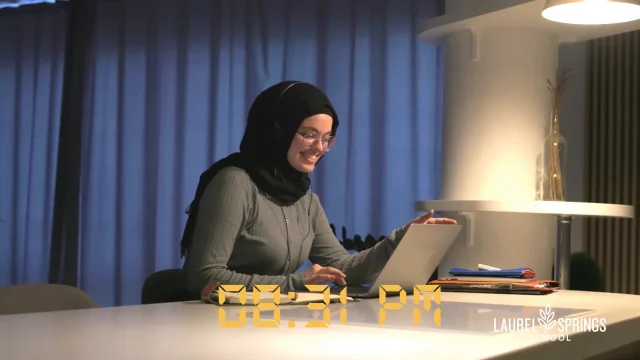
pixel 254 219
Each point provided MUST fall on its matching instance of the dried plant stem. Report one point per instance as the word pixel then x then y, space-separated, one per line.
pixel 556 190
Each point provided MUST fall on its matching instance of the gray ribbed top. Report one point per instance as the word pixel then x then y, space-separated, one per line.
pixel 244 237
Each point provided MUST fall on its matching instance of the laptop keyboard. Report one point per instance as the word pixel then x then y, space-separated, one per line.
pixel 354 291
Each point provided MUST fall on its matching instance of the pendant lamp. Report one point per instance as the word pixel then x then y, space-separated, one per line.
pixel 592 12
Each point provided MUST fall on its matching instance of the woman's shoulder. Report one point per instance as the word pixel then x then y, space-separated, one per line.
pixel 233 173
pixel 316 204
pixel 232 177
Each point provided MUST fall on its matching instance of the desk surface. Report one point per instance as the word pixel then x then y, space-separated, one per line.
pixel 192 331
pixel 529 207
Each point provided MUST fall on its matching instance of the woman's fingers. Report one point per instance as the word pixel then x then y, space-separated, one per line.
pixel 340 281
pixel 444 221
pixel 319 278
pixel 332 271
pixel 325 274
pixel 422 219
pixel 336 275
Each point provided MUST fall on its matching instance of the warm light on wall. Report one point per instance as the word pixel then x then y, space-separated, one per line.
pixel 592 12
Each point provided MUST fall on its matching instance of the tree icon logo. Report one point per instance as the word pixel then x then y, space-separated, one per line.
pixel 546 319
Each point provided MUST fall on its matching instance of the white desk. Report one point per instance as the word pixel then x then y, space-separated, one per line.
pixel 191 331
pixel 563 210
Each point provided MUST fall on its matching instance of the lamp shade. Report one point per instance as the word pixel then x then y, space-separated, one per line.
pixel 592 12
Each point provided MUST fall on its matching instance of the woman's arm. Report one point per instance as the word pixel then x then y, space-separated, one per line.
pixel 360 268
pixel 225 209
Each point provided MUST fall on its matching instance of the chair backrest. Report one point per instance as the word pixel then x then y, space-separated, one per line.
pixel 585 273
pixel 31 298
pixel 165 286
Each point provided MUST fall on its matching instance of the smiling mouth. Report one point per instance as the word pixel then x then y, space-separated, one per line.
pixel 310 157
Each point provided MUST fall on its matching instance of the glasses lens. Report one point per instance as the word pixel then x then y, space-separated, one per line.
pixel 329 143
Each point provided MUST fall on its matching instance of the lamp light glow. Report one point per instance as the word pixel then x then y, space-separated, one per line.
pixel 591 12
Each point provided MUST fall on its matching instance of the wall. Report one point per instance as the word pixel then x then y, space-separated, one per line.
pixel 572 111
pixel 465 7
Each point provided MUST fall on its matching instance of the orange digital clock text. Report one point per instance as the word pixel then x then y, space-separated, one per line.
pixel 273 303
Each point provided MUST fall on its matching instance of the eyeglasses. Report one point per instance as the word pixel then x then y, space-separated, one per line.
pixel 310 140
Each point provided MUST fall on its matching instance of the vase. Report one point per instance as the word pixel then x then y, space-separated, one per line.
pixel 553 164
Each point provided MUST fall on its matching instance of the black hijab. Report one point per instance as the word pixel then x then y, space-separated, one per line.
pixel 274 118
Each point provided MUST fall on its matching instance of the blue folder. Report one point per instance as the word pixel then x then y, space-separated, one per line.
pixel 520 272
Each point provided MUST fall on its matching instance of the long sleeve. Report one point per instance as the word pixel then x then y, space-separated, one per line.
pixel 360 268
pixel 225 209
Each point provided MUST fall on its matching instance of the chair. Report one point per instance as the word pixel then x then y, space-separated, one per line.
pixel 585 273
pixel 165 286
pixel 32 298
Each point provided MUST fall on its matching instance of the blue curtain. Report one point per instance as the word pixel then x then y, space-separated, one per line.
pixel 17 3
pixel 165 92
pixel 32 48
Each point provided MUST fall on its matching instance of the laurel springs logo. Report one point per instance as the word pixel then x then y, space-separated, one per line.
pixel 547 327
pixel 546 319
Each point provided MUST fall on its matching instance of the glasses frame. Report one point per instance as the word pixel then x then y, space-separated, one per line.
pixel 326 147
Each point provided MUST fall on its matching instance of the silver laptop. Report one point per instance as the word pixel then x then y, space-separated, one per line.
pixel 412 263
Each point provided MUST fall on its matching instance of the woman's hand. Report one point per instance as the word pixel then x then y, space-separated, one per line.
pixel 320 274
pixel 429 219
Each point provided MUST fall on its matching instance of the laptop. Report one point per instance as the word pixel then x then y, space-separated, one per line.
pixel 412 263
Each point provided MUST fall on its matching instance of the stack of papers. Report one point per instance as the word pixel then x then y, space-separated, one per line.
pixel 510 281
